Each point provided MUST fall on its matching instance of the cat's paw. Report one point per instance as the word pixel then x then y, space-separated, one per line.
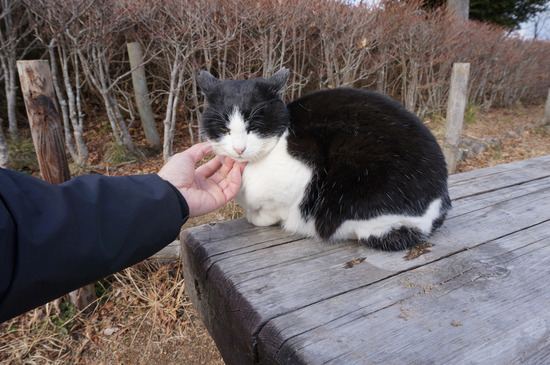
pixel 262 220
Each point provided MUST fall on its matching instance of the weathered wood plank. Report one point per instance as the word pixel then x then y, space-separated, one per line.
pixel 487 303
pixel 273 278
pixel 265 245
pixel 479 181
pixel 244 279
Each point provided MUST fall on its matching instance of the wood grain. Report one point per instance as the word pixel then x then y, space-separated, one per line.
pixel 44 120
pixel 479 294
pixel 456 105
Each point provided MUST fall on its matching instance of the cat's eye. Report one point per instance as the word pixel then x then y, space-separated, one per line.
pixel 225 130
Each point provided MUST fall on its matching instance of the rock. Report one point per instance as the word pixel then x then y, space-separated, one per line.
pixel 511 134
pixel 462 154
pixel 473 145
pixel 491 141
pixel 110 331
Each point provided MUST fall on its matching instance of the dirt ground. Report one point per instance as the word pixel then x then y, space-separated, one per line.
pixel 143 315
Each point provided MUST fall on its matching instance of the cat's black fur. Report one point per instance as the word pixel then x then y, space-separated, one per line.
pixel 370 156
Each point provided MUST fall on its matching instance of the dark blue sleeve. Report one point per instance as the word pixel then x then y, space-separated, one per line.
pixel 57 238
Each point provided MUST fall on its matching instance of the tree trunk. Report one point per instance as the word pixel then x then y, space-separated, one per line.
pixel 62 102
pixel 47 136
pixel 142 94
pixel 75 116
pixel 11 93
pixel 4 157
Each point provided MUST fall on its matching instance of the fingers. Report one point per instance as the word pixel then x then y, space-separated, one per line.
pixel 199 150
pixel 234 181
pixel 241 166
pixel 209 168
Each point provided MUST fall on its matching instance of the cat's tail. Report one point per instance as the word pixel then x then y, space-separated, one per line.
pixel 396 239
pixel 406 237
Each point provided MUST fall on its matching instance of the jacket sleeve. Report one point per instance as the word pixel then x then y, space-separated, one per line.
pixel 57 238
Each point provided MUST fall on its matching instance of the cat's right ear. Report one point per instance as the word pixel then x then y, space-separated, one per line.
pixel 279 80
pixel 206 81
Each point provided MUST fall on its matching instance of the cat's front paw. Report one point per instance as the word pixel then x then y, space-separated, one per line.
pixel 261 220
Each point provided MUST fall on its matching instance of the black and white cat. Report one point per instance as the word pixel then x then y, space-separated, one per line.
pixel 334 164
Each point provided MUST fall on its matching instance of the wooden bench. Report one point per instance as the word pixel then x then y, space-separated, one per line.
pixel 480 294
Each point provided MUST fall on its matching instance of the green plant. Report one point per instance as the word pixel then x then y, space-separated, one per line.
pixel 65 315
pixel 116 154
pixel 541 130
pixel 101 288
pixel 470 114
pixel 22 156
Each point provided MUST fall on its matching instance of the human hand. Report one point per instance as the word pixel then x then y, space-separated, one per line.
pixel 209 186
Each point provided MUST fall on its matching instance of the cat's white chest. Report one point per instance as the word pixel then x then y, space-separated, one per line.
pixel 273 188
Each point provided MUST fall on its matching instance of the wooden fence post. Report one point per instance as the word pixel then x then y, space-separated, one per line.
pixel 142 95
pixel 47 136
pixel 458 96
pixel 460 8
pixel 44 120
pixel 546 116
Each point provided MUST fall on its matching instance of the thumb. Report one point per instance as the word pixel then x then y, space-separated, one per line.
pixel 234 180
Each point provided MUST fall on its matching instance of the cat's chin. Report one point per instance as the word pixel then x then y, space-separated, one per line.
pixel 239 158
pixel 242 159
pixel 246 159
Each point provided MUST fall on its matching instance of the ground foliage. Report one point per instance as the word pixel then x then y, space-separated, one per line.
pixel 143 315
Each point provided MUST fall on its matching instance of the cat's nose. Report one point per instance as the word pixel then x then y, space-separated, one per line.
pixel 239 150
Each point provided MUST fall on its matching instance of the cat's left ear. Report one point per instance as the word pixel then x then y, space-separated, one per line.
pixel 279 80
pixel 206 81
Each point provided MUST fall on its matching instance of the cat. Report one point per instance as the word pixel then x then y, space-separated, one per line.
pixel 335 164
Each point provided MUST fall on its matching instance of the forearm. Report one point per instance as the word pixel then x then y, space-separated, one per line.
pixel 63 237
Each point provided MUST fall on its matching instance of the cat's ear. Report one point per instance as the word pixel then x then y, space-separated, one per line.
pixel 206 81
pixel 279 80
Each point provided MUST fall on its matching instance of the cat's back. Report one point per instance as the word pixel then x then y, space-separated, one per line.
pixel 359 125
pixel 370 157
pixel 352 112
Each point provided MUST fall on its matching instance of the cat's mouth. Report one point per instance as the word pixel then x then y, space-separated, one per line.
pixel 239 158
pixel 242 158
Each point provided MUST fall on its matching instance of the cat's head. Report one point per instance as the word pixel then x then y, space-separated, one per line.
pixel 244 119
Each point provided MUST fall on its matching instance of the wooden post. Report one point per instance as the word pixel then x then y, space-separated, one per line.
pixel 47 136
pixel 142 94
pixel 460 8
pixel 458 96
pixel 546 117
pixel 44 120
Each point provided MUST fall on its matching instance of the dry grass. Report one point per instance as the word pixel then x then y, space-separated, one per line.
pixel 143 315
pixel 528 140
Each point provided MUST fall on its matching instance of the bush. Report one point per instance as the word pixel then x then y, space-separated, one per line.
pixel 395 48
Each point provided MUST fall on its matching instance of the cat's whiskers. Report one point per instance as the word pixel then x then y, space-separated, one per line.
pixel 256 109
